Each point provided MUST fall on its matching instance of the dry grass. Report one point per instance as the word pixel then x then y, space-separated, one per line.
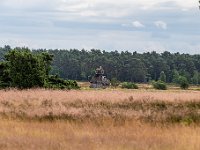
pixel 122 105
pixel 100 119
pixel 69 136
pixel 110 95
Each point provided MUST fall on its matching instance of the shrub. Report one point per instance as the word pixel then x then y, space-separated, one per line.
pixel 183 82
pixel 25 69
pixel 5 80
pixel 160 85
pixel 114 82
pixel 54 82
pixel 129 85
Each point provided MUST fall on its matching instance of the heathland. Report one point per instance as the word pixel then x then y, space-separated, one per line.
pixel 143 119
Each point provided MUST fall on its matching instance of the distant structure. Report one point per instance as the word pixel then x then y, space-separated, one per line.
pixel 99 80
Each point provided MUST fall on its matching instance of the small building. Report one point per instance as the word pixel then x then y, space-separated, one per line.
pixel 99 80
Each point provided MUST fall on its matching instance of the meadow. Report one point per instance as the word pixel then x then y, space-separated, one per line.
pixel 143 119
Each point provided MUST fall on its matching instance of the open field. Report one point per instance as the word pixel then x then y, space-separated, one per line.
pixel 100 119
pixel 81 105
pixel 20 135
pixel 170 86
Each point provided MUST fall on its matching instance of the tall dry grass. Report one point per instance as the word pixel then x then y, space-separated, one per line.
pixel 99 120
pixel 98 95
pixel 122 105
pixel 71 136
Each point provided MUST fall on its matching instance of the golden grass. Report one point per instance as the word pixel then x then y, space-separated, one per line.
pixel 99 119
pixel 87 136
pixel 154 106
pixel 110 95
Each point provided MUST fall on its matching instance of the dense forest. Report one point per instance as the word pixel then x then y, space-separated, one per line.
pixel 125 66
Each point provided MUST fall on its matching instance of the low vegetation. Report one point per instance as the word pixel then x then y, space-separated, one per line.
pixel 129 85
pixel 159 85
pixel 183 82
pixel 54 82
pixel 99 119
pixel 59 135
pixel 114 82
pixel 148 106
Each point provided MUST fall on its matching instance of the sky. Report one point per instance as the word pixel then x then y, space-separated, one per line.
pixel 133 25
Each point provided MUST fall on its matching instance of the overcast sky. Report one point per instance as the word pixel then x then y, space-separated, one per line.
pixel 133 25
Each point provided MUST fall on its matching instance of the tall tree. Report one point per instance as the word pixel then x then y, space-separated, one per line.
pixel 25 69
pixel 162 76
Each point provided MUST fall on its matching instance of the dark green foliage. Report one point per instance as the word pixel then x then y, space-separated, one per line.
pixel 195 79
pixel 55 82
pixel 46 61
pixel 3 51
pixel 129 85
pixel 162 76
pixel 125 66
pixel 23 69
pixel 160 85
pixel 183 82
pixel 114 82
pixel 5 80
pixel 175 76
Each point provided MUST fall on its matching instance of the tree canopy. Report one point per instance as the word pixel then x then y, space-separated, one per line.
pixel 124 66
pixel 23 69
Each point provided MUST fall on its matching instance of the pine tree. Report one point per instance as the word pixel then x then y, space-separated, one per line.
pixel 175 76
pixel 162 76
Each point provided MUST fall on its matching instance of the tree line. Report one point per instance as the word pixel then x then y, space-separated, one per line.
pixel 127 66
pixel 20 68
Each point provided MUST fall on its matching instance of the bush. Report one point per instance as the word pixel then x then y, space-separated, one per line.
pixel 25 69
pixel 159 85
pixel 129 85
pixel 5 80
pixel 183 82
pixel 54 82
pixel 114 82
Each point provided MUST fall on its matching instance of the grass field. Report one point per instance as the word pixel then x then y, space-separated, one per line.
pixel 23 135
pixel 100 119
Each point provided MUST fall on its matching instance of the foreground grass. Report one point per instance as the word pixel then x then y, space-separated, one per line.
pixel 24 135
pixel 120 105
pixel 100 120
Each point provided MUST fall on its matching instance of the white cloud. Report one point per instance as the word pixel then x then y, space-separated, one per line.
pixel 161 24
pixel 75 23
pixel 138 24
pixel 98 7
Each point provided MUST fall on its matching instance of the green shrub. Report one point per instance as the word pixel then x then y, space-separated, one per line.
pixel 5 80
pixel 183 82
pixel 24 69
pixel 54 82
pixel 114 82
pixel 160 85
pixel 129 85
